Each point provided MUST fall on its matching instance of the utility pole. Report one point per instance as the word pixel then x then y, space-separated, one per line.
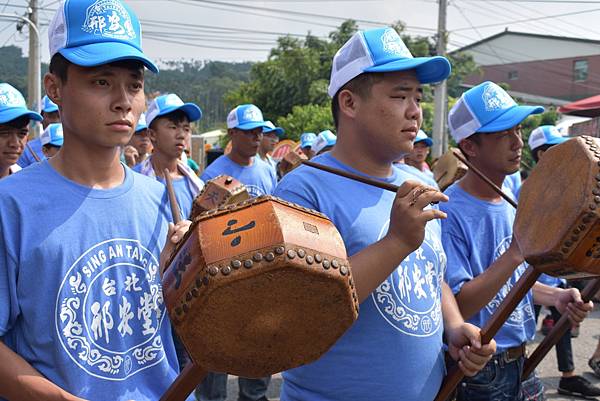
pixel 34 64
pixel 440 137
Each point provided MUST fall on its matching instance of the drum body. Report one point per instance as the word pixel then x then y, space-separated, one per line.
pixel 220 191
pixel 448 169
pixel 290 161
pixel 259 287
pixel 557 225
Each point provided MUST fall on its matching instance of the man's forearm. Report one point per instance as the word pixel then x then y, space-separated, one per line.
pixel 19 381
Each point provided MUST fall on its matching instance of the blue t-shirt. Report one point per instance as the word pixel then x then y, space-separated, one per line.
pixel 80 291
pixel 394 350
pixel 425 176
pixel 475 234
pixel 27 158
pixel 513 183
pixel 183 193
pixel 259 178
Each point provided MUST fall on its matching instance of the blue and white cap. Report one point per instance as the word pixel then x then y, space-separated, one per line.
pixel 48 106
pixel 486 108
pixel 166 104
pixel 89 33
pixel 13 105
pixel 324 139
pixel 246 117
pixel 307 139
pixel 422 137
pixel 270 127
pixel 545 135
pixel 52 135
pixel 382 50
pixel 141 125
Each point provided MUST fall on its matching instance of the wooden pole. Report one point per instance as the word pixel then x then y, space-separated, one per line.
pixel 172 198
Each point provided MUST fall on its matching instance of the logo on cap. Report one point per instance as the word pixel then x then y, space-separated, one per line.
pixel 108 18
pixel 495 98
pixel 9 98
pixel 392 44
pixel 252 114
pixel 172 100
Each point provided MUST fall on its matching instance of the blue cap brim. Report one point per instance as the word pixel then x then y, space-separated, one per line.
pixel 96 54
pixel 279 131
pixel 510 118
pixel 140 128
pixel 58 142
pixel 12 113
pixel 427 141
pixel 557 140
pixel 429 69
pixel 252 125
pixel 192 111
pixel 52 109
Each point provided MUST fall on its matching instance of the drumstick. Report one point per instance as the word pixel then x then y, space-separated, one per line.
pixel 484 178
pixel 172 198
pixel 559 329
pixel 352 176
pixel 506 307
pixel 186 382
pixel 35 156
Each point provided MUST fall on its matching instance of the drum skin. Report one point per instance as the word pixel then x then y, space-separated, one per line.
pixel 259 287
pixel 448 169
pixel 557 225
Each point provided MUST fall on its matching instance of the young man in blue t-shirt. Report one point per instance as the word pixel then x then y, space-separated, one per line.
pixel 245 126
pixel 168 120
pixel 14 122
pixel 395 350
pixel 484 263
pixel 49 116
pixel 82 315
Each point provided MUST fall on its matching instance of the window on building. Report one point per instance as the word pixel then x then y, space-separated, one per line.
pixel 580 70
pixel 513 75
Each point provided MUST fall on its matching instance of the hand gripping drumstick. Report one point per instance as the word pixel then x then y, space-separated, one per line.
pixel 191 374
pixel 506 307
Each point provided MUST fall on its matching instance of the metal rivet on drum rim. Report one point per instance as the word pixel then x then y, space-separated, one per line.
pixel 205 280
pixel 574 238
pixel 326 264
pixel 588 254
pixel 198 282
pixel 343 270
pixel 228 180
pixel 568 244
pixel 236 264
pixel 335 264
pixel 291 254
pixel 577 230
pixel 592 206
pixel 270 257
pixel 301 253
pixel 596 191
pixel 188 296
pixel 310 259
pixel 279 250
pixel 248 263
pixel 587 219
pixel 351 282
pixel 597 199
pixel 178 310
pixel 195 292
pixel 225 270
pixel 213 270
pixel 186 308
pixel 565 250
pixel 257 257
pixel 318 258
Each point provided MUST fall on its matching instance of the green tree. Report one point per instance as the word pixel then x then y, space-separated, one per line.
pixel 306 118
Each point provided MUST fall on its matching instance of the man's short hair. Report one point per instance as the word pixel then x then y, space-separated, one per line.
pixel 176 117
pixel 361 85
pixel 543 148
pixel 18 123
pixel 59 66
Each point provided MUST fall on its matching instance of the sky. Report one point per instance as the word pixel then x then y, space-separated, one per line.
pixel 245 30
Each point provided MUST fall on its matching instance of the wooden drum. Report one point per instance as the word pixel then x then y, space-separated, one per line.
pixel 220 191
pixel 557 224
pixel 259 287
pixel 448 169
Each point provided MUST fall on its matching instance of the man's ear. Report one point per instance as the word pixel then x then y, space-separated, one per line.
pixel 52 86
pixel 469 148
pixel 348 103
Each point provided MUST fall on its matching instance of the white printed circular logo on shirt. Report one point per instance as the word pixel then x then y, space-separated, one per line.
pixel 523 312
pixel 410 298
pixel 110 308
pixel 254 191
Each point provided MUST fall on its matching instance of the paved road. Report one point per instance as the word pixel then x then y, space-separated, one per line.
pixel 583 346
